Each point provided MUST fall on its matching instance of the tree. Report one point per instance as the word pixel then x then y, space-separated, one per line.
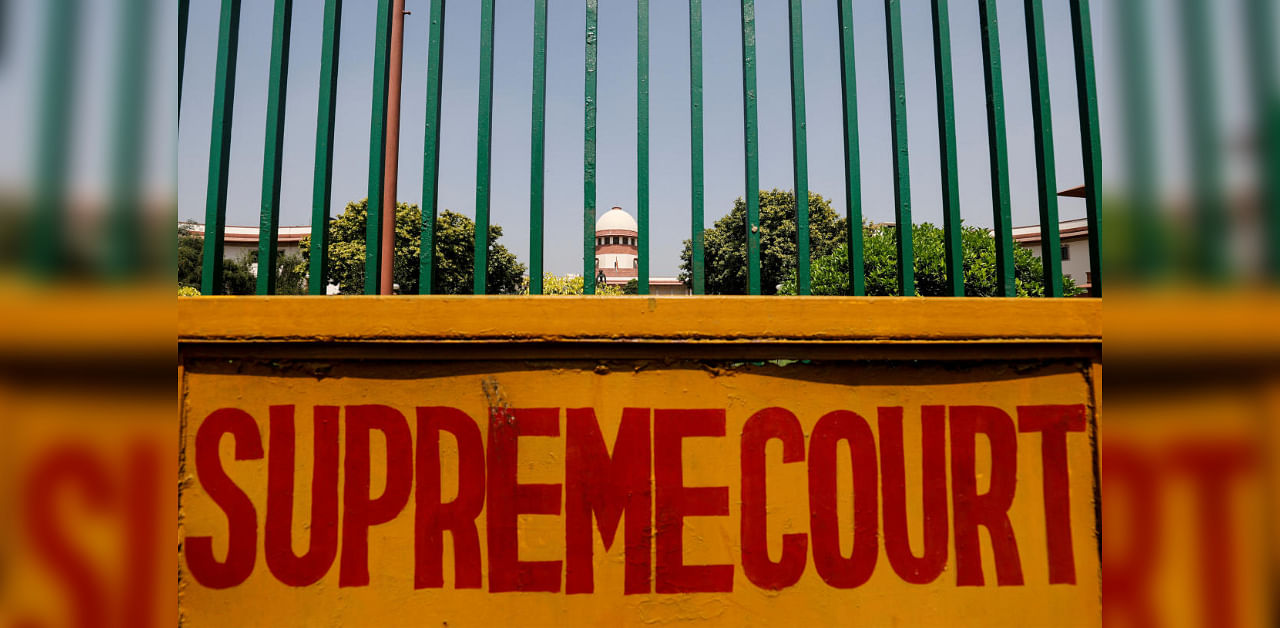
pixel 830 274
pixel 726 243
pixel 632 287
pixel 570 285
pixel 291 274
pixel 190 256
pixel 454 253
pixel 237 278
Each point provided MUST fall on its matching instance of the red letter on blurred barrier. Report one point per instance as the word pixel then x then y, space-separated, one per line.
pixel 1212 467
pixel 763 426
pixel 675 501
pixel 458 516
pixel 288 568
pixel 836 570
pixel 359 512
pixel 1130 562
pixel 606 487
pixel 1053 423
pixel 508 499
pixel 242 519
pixel 992 508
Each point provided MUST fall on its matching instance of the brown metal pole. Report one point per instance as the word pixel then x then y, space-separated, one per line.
pixel 389 182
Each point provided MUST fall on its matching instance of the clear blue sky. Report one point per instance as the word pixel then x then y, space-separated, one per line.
pixel 669 130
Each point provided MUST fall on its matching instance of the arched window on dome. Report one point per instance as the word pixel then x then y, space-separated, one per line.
pixel 635 263
pixel 597 262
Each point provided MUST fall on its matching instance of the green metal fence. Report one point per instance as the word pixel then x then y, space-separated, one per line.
pixel 1086 89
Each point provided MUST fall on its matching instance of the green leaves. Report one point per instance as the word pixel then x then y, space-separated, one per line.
pixel 570 285
pixel 830 274
pixel 726 243
pixel 237 273
pixel 454 253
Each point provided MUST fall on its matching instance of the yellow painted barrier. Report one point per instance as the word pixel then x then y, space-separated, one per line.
pixel 639 461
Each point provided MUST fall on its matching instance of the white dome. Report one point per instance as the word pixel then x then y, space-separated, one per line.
pixel 616 220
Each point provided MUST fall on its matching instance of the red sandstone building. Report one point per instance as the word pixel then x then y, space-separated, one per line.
pixel 617 254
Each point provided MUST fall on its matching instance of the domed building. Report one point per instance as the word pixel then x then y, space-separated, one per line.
pixel 618 254
pixel 617 246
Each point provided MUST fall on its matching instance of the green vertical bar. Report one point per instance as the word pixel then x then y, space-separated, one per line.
pixel 998 147
pixel 128 135
pixel 322 180
pixel 589 156
pixel 1210 242
pixel 642 140
pixel 752 141
pixel 852 158
pixel 1042 120
pixel 1149 255
pixel 484 149
pixel 1266 97
pixel 272 155
pixel 947 143
pixel 538 146
pixel 799 146
pixel 1090 135
pixel 377 149
pixel 47 253
pixel 698 190
pixel 184 15
pixel 220 147
pixel 901 163
pixel 431 148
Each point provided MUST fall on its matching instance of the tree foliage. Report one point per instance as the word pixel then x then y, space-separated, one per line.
pixel 570 285
pixel 291 274
pixel 725 244
pixel 190 257
pixel 237 273
pixel 454 253
pixel 830 274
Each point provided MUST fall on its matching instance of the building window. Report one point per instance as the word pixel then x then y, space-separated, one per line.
pixel 635 263
pixel 597 262
pixel 1066 253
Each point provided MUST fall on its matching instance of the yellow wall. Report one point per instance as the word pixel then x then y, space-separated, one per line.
pixel 655 355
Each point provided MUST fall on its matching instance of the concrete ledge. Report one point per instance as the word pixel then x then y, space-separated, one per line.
pixel 637 319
